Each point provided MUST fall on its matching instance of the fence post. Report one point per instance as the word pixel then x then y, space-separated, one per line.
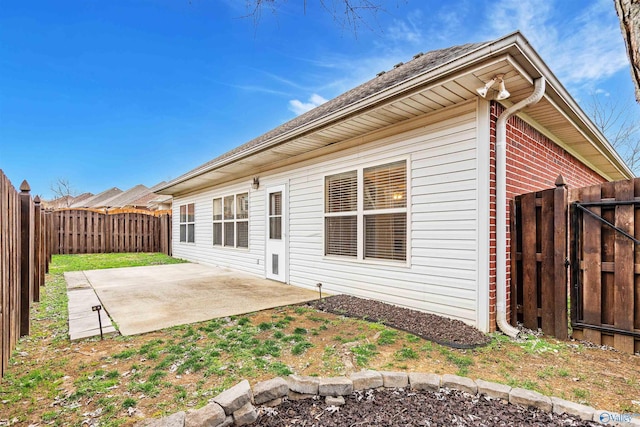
pixel 108 230
pixel 26 264
pixel 48 240
pixel 560 234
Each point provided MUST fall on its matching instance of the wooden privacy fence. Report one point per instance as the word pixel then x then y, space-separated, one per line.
pixel 81 231
pixel 593 233
pixel 24 260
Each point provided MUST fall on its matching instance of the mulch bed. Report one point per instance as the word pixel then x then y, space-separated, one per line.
pixel 409 408
pixel 449 332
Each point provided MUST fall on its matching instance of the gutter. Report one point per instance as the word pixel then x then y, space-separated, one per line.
pixel 501 205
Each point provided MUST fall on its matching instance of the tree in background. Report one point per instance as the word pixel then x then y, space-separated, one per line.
pixel 349 14
pixel 617 121
pixel 629 15
pixel 62 190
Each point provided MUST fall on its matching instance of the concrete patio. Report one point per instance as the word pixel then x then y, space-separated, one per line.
pixel 145 299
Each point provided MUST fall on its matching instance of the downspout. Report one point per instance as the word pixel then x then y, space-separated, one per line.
pixel 501 205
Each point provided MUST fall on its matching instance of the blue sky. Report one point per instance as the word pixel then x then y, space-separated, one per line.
pixel 118 93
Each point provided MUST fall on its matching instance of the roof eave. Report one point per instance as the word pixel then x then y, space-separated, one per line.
pixel 416 81
pixel 555 90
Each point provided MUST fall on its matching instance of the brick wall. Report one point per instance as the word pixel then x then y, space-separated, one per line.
pixel 533 163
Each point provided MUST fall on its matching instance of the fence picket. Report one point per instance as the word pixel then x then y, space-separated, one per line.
pixel 529 262
pixel 624 268
pixel 547 279
pixel 592 274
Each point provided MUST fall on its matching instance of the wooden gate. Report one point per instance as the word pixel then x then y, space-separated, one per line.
pixel 605 253
pixel 602 249
pixel 539 260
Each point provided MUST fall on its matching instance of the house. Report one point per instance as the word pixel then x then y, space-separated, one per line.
pixel 150 200
pixel 160 202
pixel 65 201
pixel 137 197
pixel 97 199
pixel 398 189
pixel 124 198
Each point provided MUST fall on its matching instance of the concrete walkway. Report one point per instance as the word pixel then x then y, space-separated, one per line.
pixel 145 299
pixel 83 321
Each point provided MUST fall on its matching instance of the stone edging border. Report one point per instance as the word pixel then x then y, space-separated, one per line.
pixel 236 406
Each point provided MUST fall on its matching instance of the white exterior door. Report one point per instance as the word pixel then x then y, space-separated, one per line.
pixel 276 245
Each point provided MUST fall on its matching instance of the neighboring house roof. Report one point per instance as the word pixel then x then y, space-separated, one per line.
pixel 138 196
pixel 65 202
pixel 81 197
pixel 60 202
pixel 160 199
pixel 425 84
pixel 124 198
pixel 95 201
pixel 142 201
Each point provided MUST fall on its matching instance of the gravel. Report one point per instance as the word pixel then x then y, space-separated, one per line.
pixel 442 330
pixel 408 408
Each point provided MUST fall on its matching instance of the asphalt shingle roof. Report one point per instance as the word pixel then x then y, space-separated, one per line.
pixel 420 64
pixel 97 199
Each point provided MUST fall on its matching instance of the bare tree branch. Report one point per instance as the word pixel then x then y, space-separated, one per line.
pixel 616 121
pixel 62 189
pixel 348 14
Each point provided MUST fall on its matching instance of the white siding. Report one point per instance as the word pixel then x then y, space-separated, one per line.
pixel 441 275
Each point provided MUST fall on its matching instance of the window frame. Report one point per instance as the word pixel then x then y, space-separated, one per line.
pixel 186 223
pixel 360 214
pixel 232 220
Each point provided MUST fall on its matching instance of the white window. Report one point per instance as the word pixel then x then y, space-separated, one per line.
pixel 231 221
pixel 187 223
pixel 373 226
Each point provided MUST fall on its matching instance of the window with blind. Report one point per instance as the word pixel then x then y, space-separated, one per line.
pixel 341 214
pixel 385 211
pixel 187 223
pixel 378 221
pixel 231 221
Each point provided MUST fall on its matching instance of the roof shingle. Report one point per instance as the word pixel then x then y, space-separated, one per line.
pixel 420 64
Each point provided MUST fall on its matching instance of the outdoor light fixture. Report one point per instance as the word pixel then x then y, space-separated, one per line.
pixel 503 93
pixel 256 183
